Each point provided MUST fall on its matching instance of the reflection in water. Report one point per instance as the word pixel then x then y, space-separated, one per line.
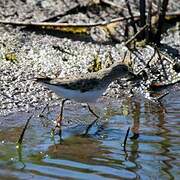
pixel 20 158
pixel 78 148
pixel 154 155
pixel 136 120
pixel 83 155
pixel 166 143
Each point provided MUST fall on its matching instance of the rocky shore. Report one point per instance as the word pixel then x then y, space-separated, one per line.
pixel 25 54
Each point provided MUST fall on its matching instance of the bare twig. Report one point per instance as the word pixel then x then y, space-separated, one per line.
pixel 131 15
pixel 125 139
pixel 162 54
pixel 61 14
pixel 147 65
pixel 73 10
pixel 143 16
pixel 19 142
pixel 149 32
pixel 53 25
pixel 125 54
pixel 142 10
pixel 59 26
pixel 162 13
pixel 162 96
pixel 163 68
pixel 170 15
pixel 166 57
pixel 133 37
pixel 112 4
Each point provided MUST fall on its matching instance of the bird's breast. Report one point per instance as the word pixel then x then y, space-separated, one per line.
pixel 77 95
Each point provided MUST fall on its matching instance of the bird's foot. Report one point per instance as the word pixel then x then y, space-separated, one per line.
pixel 89 127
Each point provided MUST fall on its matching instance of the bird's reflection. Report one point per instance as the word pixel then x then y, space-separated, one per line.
pixel 78 148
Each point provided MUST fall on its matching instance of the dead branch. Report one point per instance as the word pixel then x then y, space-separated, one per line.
pixel 113 5
pixel 125 139
pixel 19 23
pixel 19 142
pixel 163 55
pixel 149 16
pixel 163 68
pixel 142 10
pixel 133 37
pixel 162 13
pixel 74 9
pixel 54 25
pixel 80 28
pixel 131 15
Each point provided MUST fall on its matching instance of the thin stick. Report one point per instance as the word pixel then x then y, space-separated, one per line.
pixel 162 96
pixel 131 15
pixel 125 54
pixel 149 16
pixel 162 54
pixel 113 5
pixel 19 142
pixel 142 9
pixel 162 13
pixel 147 65
pixel 163 68
pixel 60 25
pixel 55 25
pixel 76 8
pixel 125 139
pixel 133 37
pixel 167 58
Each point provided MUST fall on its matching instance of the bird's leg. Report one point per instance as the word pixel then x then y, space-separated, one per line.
pixel 59 118
pixel 19 142
pixel 92 111
pixel 41 113
pixel 89 127
pixel 136 121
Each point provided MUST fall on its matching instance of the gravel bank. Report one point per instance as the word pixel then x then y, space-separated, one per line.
pixel 26 54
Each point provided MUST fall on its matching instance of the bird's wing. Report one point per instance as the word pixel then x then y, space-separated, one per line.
pixel 79 84
pixel 83 84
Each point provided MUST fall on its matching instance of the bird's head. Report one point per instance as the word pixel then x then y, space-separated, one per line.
pixel 118 70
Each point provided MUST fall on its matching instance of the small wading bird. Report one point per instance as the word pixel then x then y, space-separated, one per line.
pixel 86 89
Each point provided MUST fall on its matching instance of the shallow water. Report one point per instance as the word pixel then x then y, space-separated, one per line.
pixel 100 154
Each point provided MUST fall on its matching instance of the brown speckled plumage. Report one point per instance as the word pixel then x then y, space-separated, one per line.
pixel 96 80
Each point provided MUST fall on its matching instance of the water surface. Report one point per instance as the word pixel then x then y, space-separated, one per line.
pixel 100 154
